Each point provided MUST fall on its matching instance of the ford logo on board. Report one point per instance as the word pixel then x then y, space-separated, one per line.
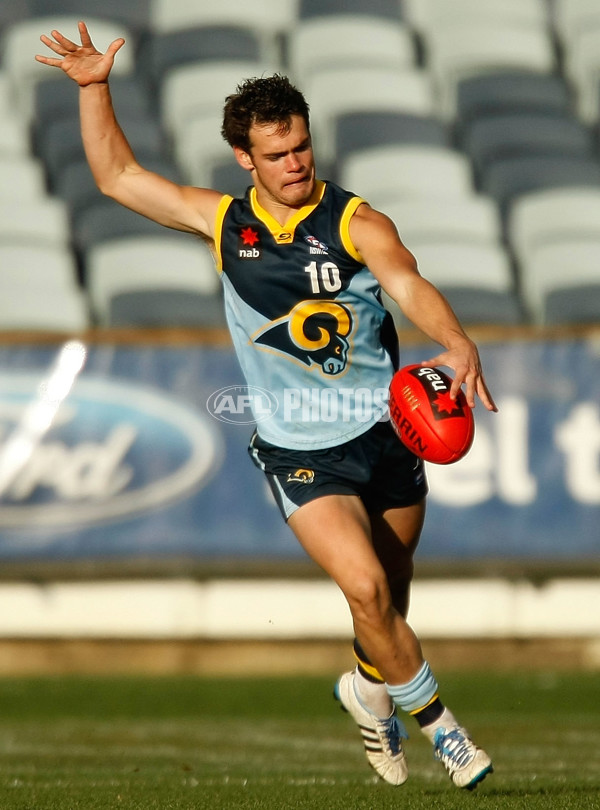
pixel 113 450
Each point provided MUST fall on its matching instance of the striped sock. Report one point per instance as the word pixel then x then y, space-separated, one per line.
pixel 419 697
pixel 365 667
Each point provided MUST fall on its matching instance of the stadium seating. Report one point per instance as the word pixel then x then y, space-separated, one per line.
pixel 171 263
pixel 106 221
pixel 59 143
pixel 40 220
pixel 571 17
pixel 209 43
pixel 58 97
pixel 553 215
pixel 335 91
pixel 39 289
pixel 230 178
pixel 37 309
pixel 561 282
pixel 386 9
pixel 582 68
pixel 392 171
pixel 458 50
pixel 472 218
pixel 508 179
pixel 166 307
pixel 201 88
pixel 511 92
pixel 468 122
pixel 14 137
pixel 268 19
pixel 199 146
pixel 355 131
pixel 497 137
pixel 135 14
pixel 348 40
pixel 477 280
pixel 425 15
pixel 21 42
pixel 13 12
pixel 77 187
pixel 21 177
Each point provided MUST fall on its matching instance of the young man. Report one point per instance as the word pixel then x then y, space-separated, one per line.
pixel 303 263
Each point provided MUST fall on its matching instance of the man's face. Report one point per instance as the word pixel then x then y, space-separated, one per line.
pixel 283 163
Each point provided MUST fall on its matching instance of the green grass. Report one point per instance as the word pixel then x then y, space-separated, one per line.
pixel 282 744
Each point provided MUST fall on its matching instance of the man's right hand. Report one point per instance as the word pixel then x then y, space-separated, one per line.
pixel 82 63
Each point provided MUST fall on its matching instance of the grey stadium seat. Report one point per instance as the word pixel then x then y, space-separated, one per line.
pixel 163 52
pixel 135 13
pixel 511 92
pixel 107 220
pixel 156 308
pixel 390 9
pixel 359 129
pixel 505 136
pixel 506 180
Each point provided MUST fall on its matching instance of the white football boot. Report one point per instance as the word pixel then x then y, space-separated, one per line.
pixel 466 764
pixel 382 738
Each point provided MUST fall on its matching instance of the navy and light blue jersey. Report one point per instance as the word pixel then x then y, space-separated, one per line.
pixel 306 317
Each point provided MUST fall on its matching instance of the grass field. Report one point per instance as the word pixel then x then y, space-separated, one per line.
pixel 279 744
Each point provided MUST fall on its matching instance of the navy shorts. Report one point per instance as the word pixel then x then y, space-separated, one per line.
pixel 376 466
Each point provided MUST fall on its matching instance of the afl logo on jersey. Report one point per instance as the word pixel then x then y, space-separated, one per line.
pixel 315 246
pixel 314 332
pixel 249 244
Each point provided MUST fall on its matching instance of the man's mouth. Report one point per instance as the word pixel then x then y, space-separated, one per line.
pixel 297 182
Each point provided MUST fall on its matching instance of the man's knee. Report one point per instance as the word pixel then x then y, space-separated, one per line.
pixel 368 596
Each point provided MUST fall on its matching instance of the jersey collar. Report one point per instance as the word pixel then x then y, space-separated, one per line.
pixel 284 234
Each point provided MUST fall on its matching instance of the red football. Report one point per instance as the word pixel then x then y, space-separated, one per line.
pixel 432 425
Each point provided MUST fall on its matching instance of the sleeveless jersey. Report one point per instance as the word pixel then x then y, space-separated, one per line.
pixel 306 318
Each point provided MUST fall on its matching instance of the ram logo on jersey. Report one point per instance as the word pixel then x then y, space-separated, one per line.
pixel 301 476
pixel 316 247
pixel 314 332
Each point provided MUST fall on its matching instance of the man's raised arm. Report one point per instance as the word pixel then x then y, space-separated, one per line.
pixel 111 159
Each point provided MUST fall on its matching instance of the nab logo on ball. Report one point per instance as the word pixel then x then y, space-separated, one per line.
pixel 428 421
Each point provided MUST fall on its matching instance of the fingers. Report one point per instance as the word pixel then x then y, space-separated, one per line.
pixel 64 42
pixel 434 361
pixel 86 40
pixel 485 396
pixel 455 388
pixel 60 45
pixel 54 46
pixel 473 380
pixel 48 60
pixel 63 46
pixel 115 46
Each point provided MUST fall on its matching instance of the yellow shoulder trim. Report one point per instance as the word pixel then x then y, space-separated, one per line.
pixel 349 212
pixel 224 204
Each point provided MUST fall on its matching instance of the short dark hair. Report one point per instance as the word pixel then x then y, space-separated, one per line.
pixel 265 100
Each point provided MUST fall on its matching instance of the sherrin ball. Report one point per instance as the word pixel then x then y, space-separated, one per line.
pixel 425 418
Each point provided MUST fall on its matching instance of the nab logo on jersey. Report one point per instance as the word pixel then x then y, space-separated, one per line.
pixel 314 332
pixel 249 244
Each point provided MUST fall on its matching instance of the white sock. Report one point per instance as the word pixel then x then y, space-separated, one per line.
pixel 373 696
pixel 445 720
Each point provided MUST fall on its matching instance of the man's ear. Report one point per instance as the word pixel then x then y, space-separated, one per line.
pixel 243 158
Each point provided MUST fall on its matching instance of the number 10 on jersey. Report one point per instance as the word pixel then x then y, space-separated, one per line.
pixel 325 278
